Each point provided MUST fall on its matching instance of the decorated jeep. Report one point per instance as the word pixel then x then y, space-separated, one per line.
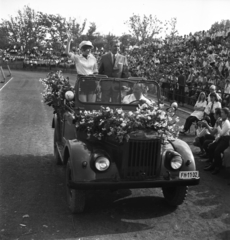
pixel 113 134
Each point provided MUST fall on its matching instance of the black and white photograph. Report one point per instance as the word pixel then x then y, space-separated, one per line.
pixel 115 120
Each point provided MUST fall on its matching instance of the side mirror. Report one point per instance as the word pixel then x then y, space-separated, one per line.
pixel 174 105
pixel 161 102
pixel 69 95
pixel 161 105
pixel 172 109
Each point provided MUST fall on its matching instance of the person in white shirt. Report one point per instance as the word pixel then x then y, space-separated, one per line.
pixel 221 143
pixel 198 114
pixel 86 64
pixel 213 89
pixel 212 105
pixel 137 96
pixel 209 138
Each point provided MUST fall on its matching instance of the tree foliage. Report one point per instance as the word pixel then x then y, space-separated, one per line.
pixel 31 29
pixel 23 30
pixel 170 29
pixel 220 26
pixel 144 29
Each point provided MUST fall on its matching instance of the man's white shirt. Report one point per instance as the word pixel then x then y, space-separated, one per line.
pixel 131 98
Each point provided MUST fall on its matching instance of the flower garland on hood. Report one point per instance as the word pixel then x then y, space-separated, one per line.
pixel 121 125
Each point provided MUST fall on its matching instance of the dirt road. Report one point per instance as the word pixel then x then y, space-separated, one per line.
pixel 33 198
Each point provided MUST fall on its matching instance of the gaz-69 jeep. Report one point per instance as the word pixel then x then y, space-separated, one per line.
pixel 120 142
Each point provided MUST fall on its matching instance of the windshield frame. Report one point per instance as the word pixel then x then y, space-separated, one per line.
pixel 118 80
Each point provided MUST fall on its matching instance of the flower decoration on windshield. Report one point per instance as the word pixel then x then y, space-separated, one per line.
pixel 56 85
pixel 151 121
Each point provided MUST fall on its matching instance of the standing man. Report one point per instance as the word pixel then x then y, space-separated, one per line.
pixel 114 65
pixel 181 83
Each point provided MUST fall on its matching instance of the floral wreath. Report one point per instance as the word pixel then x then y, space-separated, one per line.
pixel 56 85
pixel 106 122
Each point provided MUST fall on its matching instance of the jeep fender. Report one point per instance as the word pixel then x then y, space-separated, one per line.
pixel 185 151
pixel 79 153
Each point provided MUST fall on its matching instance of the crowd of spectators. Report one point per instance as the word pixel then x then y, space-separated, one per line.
pixel 184 66
pixel 35 59
pixel 187 65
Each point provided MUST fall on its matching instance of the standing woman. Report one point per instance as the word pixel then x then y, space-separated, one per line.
pixel 86 64
pixel 198 114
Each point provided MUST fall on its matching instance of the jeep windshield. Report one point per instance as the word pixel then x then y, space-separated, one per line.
pixel 115 91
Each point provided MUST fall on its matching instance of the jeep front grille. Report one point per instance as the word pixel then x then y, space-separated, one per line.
pixel 141 159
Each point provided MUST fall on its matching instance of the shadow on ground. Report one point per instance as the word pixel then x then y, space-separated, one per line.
pixel 33 204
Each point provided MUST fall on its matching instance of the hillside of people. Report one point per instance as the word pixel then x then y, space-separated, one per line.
pixel 203 58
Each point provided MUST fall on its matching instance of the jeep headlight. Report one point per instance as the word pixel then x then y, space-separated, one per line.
pixel 102 163
pixel 176 162
pixel 173 160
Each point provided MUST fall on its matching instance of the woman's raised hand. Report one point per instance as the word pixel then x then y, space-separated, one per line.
pixel 69 35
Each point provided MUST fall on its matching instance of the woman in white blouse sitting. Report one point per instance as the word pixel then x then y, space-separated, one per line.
pixel 198 114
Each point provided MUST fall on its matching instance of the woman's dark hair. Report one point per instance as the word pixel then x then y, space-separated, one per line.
pixel 226 111
pixel 214 95
pixel 218 111
pixel 207 119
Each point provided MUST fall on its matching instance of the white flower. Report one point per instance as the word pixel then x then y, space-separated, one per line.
pixel 177 119
pixel 123 124
pixel 144 106
pixel 119 111
pixel 130 113
pixel 107 109
pixel 101 122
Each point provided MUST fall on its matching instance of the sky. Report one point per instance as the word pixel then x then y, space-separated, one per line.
pixel 110 16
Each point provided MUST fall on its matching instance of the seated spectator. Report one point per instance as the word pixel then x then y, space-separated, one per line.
pixel 226 157
pixel 212 105
pixel 226 98
pixel 221 143
pixel 201 132
pixel 198 114
pixel 213 90
pixel 211 136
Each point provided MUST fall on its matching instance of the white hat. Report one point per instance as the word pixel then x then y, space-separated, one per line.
pixel 85 43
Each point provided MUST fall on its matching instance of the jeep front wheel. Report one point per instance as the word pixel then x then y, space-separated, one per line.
pixel 175 195
pixel 75 198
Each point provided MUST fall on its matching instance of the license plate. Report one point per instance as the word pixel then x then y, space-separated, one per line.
pixel 188 174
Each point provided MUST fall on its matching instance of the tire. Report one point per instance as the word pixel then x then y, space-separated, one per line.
pixel 75 198
pixel 56 153
pixel 175 195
